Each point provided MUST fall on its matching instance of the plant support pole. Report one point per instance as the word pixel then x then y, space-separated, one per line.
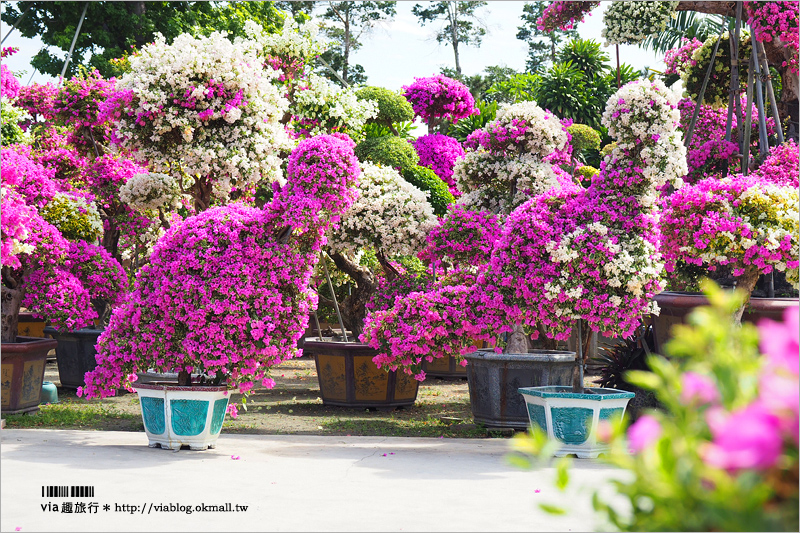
pixel 333 294
pixel 734 46
pixel 762 57
pixel 72 46
pixel 748 121
pixel 696 113
pixel 319 329
pixel 763 146
pixel 14 27
pixel 579 355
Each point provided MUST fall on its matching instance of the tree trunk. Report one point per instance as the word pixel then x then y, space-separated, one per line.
pixel 201 192
pixel 453 13
pixel 111 239
pixel 746 282
pixel 517 341
pixel 353 308
pixel 184 379
pixel 11 301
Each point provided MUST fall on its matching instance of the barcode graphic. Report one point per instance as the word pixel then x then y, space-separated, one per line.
pixel 64 491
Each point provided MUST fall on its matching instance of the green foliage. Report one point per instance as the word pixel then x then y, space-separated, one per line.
pixel 480 83
pixel 392 107
pixel 517 88
pixel 10 117
pixel 111 29
pixel 426 179
pixel 403 130
pixel 389 151
pixel 586 56
pixel 461 129
pixel 541 44
pixel 583 137
pixel 562 89
pixel 608 148
pixel 685 24
pixel 586 172
pixel 668 483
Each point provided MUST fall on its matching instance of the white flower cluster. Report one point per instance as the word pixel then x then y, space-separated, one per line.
pixel 544 134
pixel 500 184
pixel 499 181
pixel 329 107
pixel 295 41
pixel 150 190
pixel 643 116
pixel 74 216
pixel 240 150
pixel 631 22
pixel 390 215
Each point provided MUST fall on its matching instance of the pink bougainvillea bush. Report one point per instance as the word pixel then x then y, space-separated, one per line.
pixel 226 293
pixel 747 222
pixel 777 21
pixel 54 276
pixel 564 15
pixel 781 165
pixel 439 98
pixel 591 254
pixel 439 153
pixel 677 59
pixel 464 237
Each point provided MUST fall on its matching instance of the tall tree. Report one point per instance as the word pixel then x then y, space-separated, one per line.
pixel 111 29
pixel 461 23
pixel 541 44
pixel 346 23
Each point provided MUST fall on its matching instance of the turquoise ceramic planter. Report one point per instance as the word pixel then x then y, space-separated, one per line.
pixel 49 392
pixel 176 416
pixel 572 418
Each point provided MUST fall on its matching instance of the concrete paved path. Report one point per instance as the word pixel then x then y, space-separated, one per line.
pixel 284 483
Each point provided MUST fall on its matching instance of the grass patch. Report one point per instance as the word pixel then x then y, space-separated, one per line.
pixel 402 427
pixel 76 415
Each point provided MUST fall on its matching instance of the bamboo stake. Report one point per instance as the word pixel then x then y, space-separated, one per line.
pixel 333 294
pixel 72 46
pixel 690 129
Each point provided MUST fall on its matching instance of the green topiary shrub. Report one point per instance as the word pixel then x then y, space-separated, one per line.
pixel 583 138
pixel 607 149
pixel 586 172
pixel 426 179
pixel 389 151
pixel 392 107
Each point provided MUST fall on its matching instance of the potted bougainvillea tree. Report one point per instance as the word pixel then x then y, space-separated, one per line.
pixel 503 167
pixel 50 266
pixel 225 296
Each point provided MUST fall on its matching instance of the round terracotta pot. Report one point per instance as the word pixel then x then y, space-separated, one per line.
pixel 675 306
pixel 348 377
pixel 22 373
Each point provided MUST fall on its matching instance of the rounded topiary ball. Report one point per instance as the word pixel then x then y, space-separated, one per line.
pixel 392 107
pixel 586 172
pixel 583 137
pixel 426 179
pixel 389 151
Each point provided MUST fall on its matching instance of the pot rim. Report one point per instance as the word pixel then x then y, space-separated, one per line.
pixel 174 387
pixel 597 394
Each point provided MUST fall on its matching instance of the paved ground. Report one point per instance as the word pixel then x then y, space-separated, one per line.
pixel 287 483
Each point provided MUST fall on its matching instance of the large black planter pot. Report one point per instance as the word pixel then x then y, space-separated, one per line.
pixel 348 377
pixel 22 373
pixel 75 354
pixel 494 380
pixel 675 306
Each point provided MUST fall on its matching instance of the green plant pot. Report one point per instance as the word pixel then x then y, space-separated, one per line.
pixel 176 416
pixel 572 418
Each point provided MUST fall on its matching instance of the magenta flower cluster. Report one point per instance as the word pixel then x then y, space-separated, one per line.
pixel 744 221
pixel 226 292
pixel 777 21
pixel 590 254
pixel 464 236
pixel 710 160
pixel 57 278
pixel 439 153
pixel 677 59
pixel 9 85
pixel 564 15
pixel 440 97
pixel 37 100
pixel 781 165
pixel 422 326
